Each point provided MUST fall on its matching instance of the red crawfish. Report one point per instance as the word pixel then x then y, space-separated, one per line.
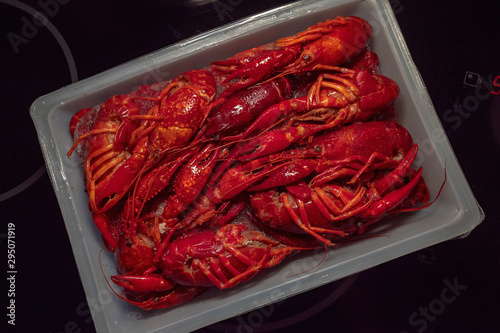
pixel 201 259
pixel 344 97
pixel 342 182
pixel 333 42
pixel 233 114
pixel 123 143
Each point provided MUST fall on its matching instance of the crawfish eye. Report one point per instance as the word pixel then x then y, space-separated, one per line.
pixel 128 243
pixel 306 57
pixel 317 149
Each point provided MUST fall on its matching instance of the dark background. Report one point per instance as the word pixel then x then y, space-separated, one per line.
pixel 446 38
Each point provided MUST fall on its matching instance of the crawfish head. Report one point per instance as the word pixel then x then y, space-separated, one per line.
pixel 134 254
pixel 331 43
pixel 358 93
pixel 377 92
pixel 284 211
pixel 223 259
pixel 385 138
pixel 177 259
pixel 184 110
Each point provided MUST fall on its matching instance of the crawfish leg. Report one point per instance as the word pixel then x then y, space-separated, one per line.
pixel 178 295
pixel 219 280
pixel 302 221
pixel 142 283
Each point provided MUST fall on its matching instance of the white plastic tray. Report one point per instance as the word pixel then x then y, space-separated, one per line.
pixel 455 213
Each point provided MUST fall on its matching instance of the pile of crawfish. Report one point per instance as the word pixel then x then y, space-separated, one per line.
pixel 209 178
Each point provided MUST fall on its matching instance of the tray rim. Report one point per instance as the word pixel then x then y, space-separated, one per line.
pixel 86 86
